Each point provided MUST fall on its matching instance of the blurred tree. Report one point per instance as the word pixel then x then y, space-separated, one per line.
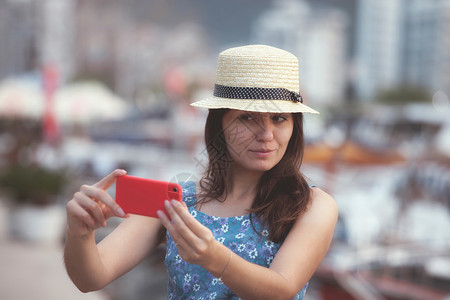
pixel 403 95
pixel 32 184
pixel 22 177
pixel 24 137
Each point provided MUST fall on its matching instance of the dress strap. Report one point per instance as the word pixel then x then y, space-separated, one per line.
pixel 189 196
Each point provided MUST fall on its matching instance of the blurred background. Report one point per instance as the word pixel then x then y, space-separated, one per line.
pixel 90 86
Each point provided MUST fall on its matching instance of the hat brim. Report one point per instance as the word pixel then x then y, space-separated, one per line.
pixel 255 105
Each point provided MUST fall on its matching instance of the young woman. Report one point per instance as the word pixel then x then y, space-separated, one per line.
pixel 251 228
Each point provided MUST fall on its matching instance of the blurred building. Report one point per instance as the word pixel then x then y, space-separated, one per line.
pixel 317 36
pixel 130 47
pixel 402 42
pixel 18 47
pixel 377 50
pixel 34 34
pixel 133 45
pixel 55 36
pixel 426 48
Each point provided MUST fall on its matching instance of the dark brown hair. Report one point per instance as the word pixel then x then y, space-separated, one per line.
pixel 282 192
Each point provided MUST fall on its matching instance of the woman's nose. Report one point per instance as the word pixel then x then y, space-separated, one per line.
pixel 264 130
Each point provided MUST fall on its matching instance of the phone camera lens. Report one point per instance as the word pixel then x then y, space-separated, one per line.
pixel 175 189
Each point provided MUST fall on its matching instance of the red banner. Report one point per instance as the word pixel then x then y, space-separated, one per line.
pixel 50 125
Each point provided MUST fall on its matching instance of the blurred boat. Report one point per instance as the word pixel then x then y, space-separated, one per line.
pixel 394 272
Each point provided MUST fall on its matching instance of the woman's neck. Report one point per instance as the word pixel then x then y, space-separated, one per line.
pixel 238 197
pixel 242 184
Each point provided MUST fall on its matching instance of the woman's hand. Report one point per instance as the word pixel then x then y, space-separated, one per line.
pixel 92 206
pixel 195 242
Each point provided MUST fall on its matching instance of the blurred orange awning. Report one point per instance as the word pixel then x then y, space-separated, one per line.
pixel 350 153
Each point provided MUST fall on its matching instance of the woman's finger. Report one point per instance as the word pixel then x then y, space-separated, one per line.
pixel 102 196
pixel 75 211
pixel 92 207
pixel 194 246
pixel 200 238
pixel 176 237
pixel 190 222
pixel 109 179
pixel 180 226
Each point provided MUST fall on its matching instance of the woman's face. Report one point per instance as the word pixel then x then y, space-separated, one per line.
pixel 257 141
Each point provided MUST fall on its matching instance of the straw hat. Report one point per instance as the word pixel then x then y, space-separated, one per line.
pixel 257 78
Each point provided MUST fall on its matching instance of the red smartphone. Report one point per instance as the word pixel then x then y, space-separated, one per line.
pixel 144 196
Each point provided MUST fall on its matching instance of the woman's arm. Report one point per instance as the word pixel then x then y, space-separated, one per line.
pixel 91 266
pixel 292 267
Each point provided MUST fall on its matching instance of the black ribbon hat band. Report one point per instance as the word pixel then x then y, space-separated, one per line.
pixel 232 92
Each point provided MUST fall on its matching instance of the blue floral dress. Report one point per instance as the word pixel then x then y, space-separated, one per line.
pixel 189 281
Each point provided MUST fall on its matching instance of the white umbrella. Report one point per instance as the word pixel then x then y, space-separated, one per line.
pixel 20 99
pixel 84 102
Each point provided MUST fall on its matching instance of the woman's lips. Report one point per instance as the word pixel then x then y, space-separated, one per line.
pixel 261 152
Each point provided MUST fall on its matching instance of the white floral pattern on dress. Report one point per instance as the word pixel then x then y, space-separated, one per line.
pixel 188 281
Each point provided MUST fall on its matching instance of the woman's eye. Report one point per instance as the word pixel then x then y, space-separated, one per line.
pixel 279 118
pixel 246 117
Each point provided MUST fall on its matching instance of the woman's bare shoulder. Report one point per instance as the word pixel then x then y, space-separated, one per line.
pixel 318 194
pixel 322 205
